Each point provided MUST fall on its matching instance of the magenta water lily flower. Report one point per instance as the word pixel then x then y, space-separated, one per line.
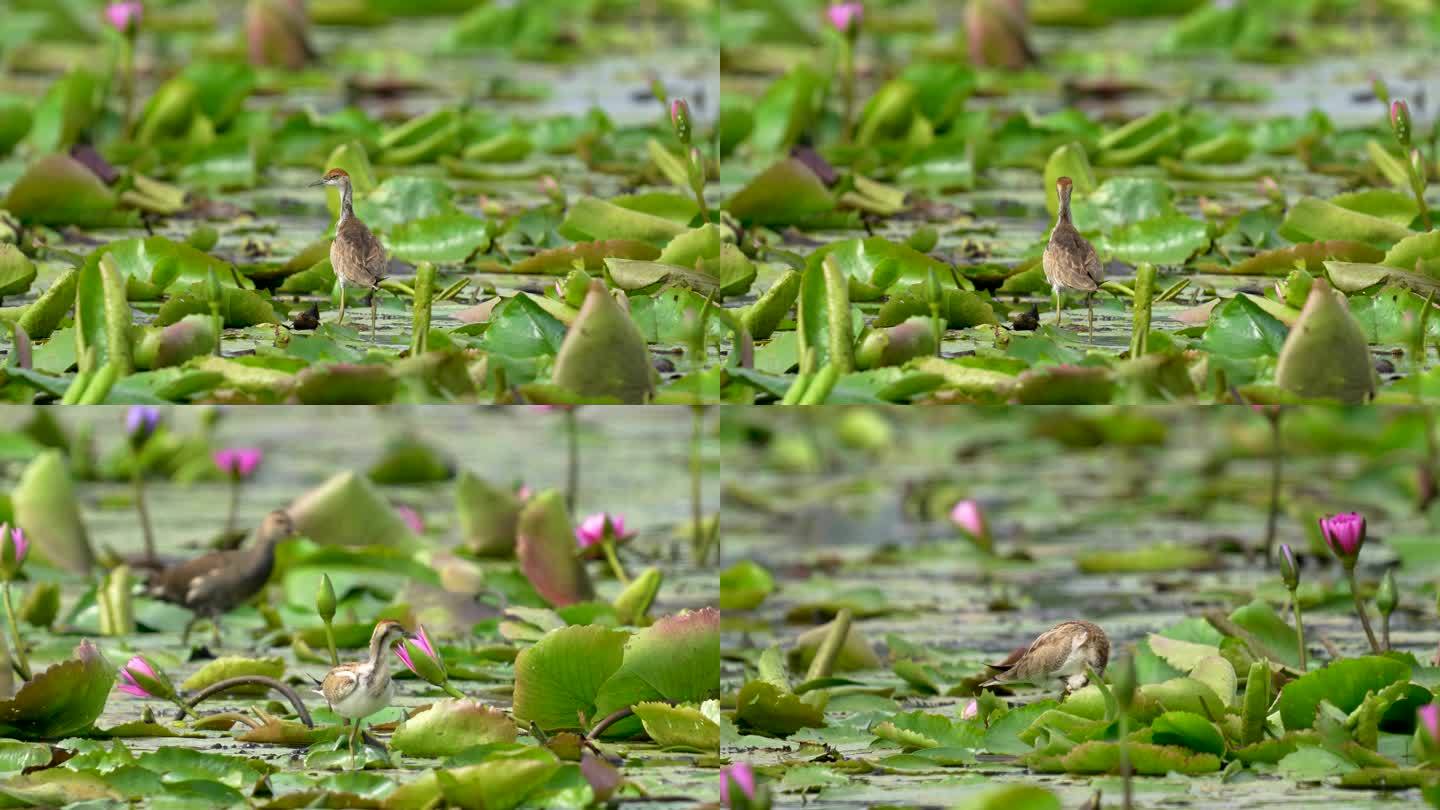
pixel 844 17
pixel 1429 716
pixel 967 515
pixel 124 16
pixel 16 544
pixel 419 655
pixel 411 517
pixel 1345 534
pixel 136 676
pixel 591 530
pixel 742 775
pixel 239 461
pixel 524 492
pixel 141 422
pixel 971 710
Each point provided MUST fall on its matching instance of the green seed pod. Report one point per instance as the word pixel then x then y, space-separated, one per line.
pixel 1387 597
pixel 325 600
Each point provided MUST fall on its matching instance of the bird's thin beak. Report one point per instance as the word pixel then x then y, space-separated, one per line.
pixel 317 183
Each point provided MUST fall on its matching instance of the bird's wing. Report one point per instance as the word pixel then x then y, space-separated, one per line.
pixel 1093 268
pixel 338 685
pixel 177 583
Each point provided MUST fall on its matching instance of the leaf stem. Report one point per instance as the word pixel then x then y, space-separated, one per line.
pixel 1360 609
pixel 137 477
pixel 22 664
pixel 1276 460
pixel 572 470
pixel 248 680
pixel 1299 631
pixel 608 546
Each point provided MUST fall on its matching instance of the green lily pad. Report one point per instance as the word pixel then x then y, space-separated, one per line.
pixel 61 701
pixel 1343 683
pixel 450 726
pixel 676 660
pixel 558 680
pixel 233 667
pixel 744 585
pixel 766 707
pixel 1188 730
pixel 58 190
pixel 681 726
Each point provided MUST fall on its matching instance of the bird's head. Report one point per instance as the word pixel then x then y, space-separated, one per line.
pixel 277 526
pixel 334 177
pixel 386 633
pixel 1062 187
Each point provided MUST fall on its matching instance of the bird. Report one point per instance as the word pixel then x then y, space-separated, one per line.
pixel 361 688
pixel 1066 653
pixel 1069 260
pixel 212 584
pixel 356 254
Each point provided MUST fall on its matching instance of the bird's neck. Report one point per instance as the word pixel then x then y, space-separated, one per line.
pixel 1063 218
pixel 345 210
pixel 378 658
pixel 262 557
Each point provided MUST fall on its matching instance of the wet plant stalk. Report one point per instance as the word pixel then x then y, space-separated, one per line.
pixel 188 706
pixel 452 691
pixel 608 546
pixel 699 537
pixel 1276 460
pixel 1299 631
pixel 330 642
pixel 22 663
pixel 572 469
pixel 424 296
pixel 1360 609
pixel 1126 776
pixel 1144 294
pixel 848 58
pixel 234 504
pixel 137 477
pixel 824 664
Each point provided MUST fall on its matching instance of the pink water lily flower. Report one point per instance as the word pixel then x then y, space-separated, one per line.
pixel 411 517
pixel 591 530
pixel 1429 716
pixel 1345 534
pixel 971 710
pixel 135 669
pixel 967 515
pixel 844 16
pixel 124 16
pixel 742 775
pixel 421 640
pixel 239 461
pixel 15 538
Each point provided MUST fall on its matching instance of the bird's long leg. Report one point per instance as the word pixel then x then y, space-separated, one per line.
pixel 355 727
pixel 215 630
pixel 341 319
pixel 185 635
pixel 1090 311
pixel 1059 302
pixel 374 302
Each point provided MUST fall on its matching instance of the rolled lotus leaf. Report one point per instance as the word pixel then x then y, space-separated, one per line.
pixel 893 345
pixel 17 272
pixel 995 31
pixel 46 508
pixel 275 34
pixel 604 355
pixel 347 511
pixel 545 544
pixel 634 602
pixel 488 516
pixel 1326 355
pixel 59 190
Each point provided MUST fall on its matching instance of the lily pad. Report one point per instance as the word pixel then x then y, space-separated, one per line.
pixel 450 726
pixel 558 680
pixel 62 701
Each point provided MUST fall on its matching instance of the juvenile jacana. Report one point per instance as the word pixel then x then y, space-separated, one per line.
pixel 213 584
pixel 1070 261
pixel 1065 653
pixel 357 256
pixel 361 688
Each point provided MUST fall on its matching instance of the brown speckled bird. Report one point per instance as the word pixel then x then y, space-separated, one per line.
pixel 212 584
pixel 1070 262
pixel 1064 653
pixel 357 256
pixel 361 688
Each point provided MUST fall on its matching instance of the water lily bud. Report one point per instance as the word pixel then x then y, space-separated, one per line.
pixel 124 16
pixel 599 527
pixel 737 785
pixel 1387 597
pixel 238 462
pixel 140 678
pixel 680 119
pixel 13 549
pixel 140 424
pixel 419 655
pixel 1344 534
pixel 1122 682
pixel 966 515
pixel 325 600
pixel 971 710
pixel 845 17
pixel 1289 569
pixel 1400 121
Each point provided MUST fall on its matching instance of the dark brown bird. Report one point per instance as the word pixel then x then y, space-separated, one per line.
pixel 1064 653
pixel 1070 262
pixel 213 584
pixel 357 256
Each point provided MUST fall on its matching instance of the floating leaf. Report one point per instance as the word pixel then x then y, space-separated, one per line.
pixel 784 194
pixel 558 679
pixel 1311 218
pixel 676 660
pixel 446 238
pixel 58 190
pixel 1188 730
pixel 744 585
pixel 766 707
pixel 45 504
pixel 547 550
pixel 1343 683
pixel 62 701
pixel 682 726
pixel 234 667
pixel 450 726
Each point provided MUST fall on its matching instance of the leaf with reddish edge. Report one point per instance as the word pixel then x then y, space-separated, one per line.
pixel 1281 261
pixel 675 660
pixel 62 701
pixel 561 261
pixel 545 546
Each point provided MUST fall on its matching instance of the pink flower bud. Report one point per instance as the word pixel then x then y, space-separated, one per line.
pixel 966 515
pixel 124 16
pixel 139 678
pixel 411 517
pixel 15 547
pixel 971 710
pixel 1429 716
pixel 1345 534
pixel 742 776
pixel 845 17
pixel 592 530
